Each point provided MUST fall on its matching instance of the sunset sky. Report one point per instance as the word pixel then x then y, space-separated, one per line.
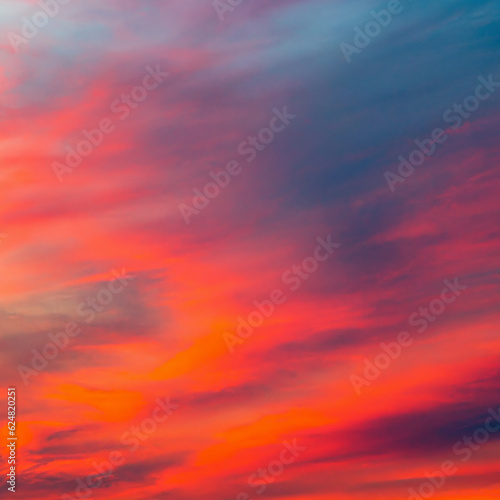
pixel 147 273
